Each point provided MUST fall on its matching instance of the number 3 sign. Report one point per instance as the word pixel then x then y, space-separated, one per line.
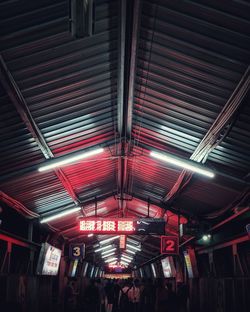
pixel 170 245
pixel 76 251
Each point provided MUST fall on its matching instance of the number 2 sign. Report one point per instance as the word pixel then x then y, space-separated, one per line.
pixel 170 245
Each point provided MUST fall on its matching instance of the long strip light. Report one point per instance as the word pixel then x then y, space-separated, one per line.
pixel 70 159
pixel 133 247
pixel 108 255
pixel 60 214
pixel 127 257
pixel 110 260
pixel 104 248
pixel 108 240
pixel 108 251
pixel 186 164
pixel 124 263
pixel 131 251
pixel 125 260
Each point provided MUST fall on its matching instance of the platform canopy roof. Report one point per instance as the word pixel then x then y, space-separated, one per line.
pixel 130 77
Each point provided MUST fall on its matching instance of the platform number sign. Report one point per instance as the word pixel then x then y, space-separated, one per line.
pixel 170 245
pixel 76 251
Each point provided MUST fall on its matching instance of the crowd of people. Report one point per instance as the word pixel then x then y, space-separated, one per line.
pixel 106 295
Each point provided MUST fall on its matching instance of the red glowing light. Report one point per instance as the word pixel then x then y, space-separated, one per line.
pixel 123 239
pixel 107 226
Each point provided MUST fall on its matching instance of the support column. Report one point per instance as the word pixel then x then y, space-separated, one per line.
pixel 30 269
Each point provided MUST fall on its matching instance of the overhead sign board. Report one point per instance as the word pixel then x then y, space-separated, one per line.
pixel 168 267
pixel 122 226
pixel 170 245
pixel 49 260
pixel 76 251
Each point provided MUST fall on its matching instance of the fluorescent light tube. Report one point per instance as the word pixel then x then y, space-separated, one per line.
pixel 125 260
pixel 64 160
pixel 90 235
pixel 108 255
pixel 60 214
pixel 153 269
pixel 92 271
pixel 108 240
pixel 186 164
pixel 107 251
pixel 124 263
pixel 110 260
pixel 133 247
pixel 127 257
pixel 132 241
pixel 131 251
pixel 104 247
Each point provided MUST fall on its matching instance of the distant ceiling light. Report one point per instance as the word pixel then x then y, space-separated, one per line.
pixel 124 263
pixel 186 164
pixel 54 163
pixel 131 251
pixel 90 235
pixel 104 248
pixel 133 247
pixel 127 257
pixel 60 214
pixel 113 263
pixel 125 260
pixel 110 260
pixel 108 251
pixel 132 241
pixel 108 240
pixel 206 237
pixel 108 255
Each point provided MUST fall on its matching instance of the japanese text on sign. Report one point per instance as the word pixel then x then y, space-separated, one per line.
pixel 107 226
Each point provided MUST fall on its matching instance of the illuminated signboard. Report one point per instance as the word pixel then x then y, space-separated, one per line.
pixel 49 260
pixel 170 245
pixel 123 239
pixel 191 264
pixel 122 226
pixel 166 268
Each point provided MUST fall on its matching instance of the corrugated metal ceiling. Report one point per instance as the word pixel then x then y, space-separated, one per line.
pixel 189 58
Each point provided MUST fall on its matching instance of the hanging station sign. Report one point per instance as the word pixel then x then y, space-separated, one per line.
pixel 170 245
pixel 76 251
pixel 122 226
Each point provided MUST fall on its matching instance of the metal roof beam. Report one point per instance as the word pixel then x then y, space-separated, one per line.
pixel 121 68
pixel 81 18
pixel 120 98
pixel 216 133
pixel 125 110
pixel 132 69
pixel 22 108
